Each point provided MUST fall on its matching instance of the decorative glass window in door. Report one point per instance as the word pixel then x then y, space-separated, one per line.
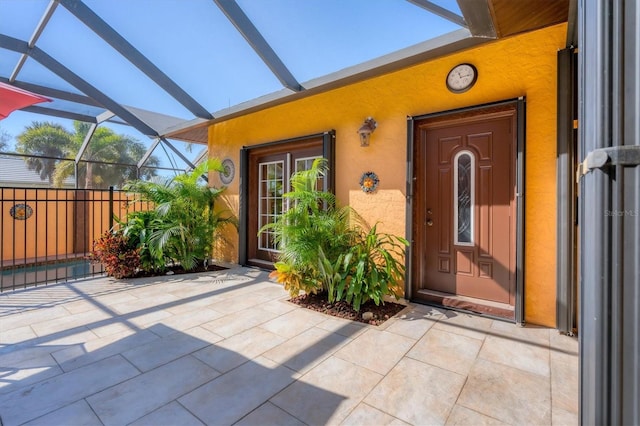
pixel 463 197
pixel 271 200
pixel 302 164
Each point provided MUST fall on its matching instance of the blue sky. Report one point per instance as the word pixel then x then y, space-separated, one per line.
pixel 195 45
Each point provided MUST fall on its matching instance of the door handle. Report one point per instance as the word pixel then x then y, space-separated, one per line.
pixel 429 222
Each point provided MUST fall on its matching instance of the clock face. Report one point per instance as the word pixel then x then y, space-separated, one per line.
pixel 461 78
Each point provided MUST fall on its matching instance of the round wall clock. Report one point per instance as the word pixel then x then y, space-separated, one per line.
pixel 462 78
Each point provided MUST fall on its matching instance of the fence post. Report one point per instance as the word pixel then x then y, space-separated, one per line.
pixel 110 207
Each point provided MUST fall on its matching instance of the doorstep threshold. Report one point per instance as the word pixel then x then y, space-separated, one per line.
pixel 473 305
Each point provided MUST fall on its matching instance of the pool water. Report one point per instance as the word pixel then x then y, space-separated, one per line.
pixel 27 275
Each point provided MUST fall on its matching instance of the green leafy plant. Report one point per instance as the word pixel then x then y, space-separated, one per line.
pixel 119 257
pixel 324 248
pixel 374 268
pixel 312 223
pixel 139 227
pixel 184 222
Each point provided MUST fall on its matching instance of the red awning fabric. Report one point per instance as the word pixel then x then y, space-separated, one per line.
pixel 13 98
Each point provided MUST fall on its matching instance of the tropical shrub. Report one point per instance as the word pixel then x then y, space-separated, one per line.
pixel 312 223
pixel 373 267
pixel 184 222
pixel 139 227
pixel 119 257
pixel 324 248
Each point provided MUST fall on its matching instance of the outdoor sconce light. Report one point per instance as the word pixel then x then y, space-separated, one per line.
pixel 365 131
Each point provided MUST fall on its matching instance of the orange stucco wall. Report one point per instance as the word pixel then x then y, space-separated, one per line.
pixel 523 65
pixel 57 225
pixel 51 218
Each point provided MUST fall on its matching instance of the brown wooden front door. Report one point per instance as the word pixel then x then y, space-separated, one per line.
pixel 464 208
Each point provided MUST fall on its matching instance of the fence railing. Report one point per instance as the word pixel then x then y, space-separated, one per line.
pixel 47 233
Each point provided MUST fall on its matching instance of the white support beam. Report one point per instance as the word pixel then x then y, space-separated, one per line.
pixel 85 143
pixel 48 13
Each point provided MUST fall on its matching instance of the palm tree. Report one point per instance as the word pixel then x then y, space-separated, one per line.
pixel 102 161
pixel 45 143
pixel 4 139
pixel 109 159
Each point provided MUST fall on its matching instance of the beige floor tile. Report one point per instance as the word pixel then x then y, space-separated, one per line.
pixel 164 350
pixel 35 348
pixel 78 413
pixel 378 351
pixel 532 357
pixel 413 324
pixel 147 318
pixel 234 351
pixel 28 403
pixel 528 333
pixel 279 306
pixel 271 291
pixel 565 371
pixel 239 303
pixel 293 323
pixel 79 306
pixel 453 352
pixel 269 414
pixel 508 394
pixel 464 417
pixel 94 350
pixel 15 335
pixel 562 417
pixel 171 414
pixel 141 395
pixel 112 328
pixel 562 343
pixel 343 327
pixel 24 372
pixel 145 303
pixel 188 320
pixel 192 305
pixel 464 324
pixel 115 298
pixel 306 350
pixel 366 415
pixel 230 397
pixel 203 334
pixel 81 320
pixel 417 393
pixel 327 393
pixel 36 316
pixel 232 324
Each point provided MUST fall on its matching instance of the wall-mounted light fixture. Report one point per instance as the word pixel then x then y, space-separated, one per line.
pixel 365 131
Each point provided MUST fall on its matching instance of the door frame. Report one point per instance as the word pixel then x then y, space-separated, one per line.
pixel 519 105
pixel 328 152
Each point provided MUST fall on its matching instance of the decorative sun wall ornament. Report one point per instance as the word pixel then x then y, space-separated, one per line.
pixel 21 212
pixel 369 182
pixel 229 171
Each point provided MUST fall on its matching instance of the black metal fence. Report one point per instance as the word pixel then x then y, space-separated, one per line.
pixel 46 234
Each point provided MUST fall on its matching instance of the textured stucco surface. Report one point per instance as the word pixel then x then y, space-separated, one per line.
pixel 523 65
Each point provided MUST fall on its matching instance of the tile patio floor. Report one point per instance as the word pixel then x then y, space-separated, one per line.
pixel 227 348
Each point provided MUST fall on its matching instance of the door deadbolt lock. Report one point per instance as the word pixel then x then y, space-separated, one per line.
pixel 429 211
